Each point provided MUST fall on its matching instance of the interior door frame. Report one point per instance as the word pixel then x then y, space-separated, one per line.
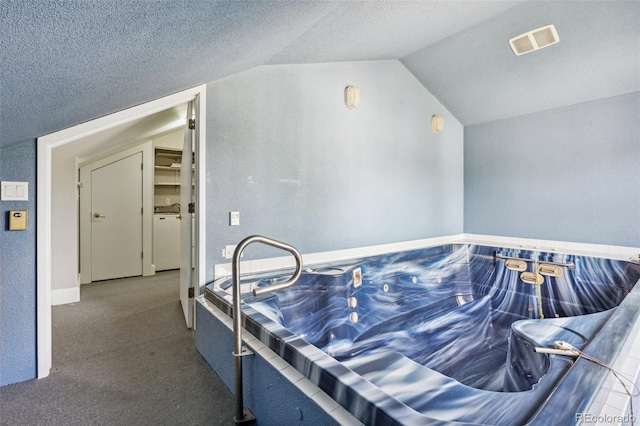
pixel 86 259
pixel 45 146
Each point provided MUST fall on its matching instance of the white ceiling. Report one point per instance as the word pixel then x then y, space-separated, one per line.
pixel 477 76
pixel 120 137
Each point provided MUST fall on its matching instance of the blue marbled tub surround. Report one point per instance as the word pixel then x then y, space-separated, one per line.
pixel 442 334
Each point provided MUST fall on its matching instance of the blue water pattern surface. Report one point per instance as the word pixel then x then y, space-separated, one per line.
pixel 420 324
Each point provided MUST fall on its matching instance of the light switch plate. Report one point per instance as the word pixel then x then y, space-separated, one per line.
pixel 234 218
pixel 14 191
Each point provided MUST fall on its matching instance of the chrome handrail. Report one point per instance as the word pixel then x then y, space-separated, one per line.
pixel 243 415
pixel 566 265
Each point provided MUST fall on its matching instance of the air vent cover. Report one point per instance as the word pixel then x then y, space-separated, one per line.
pixel 534 40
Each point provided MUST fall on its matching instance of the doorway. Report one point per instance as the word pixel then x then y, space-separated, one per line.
pixel 48 143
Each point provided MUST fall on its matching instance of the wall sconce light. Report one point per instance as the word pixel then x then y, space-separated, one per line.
pixel 437 124
pixel 351 97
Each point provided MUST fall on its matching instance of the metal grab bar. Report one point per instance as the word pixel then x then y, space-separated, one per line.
pixel 243 415
pixel 566 265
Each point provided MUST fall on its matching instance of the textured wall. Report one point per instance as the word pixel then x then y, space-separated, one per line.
pixel 18 270
pixel 285 152
pixel 569 174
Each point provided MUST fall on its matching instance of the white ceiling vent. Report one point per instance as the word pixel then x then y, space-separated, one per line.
pixel 534 40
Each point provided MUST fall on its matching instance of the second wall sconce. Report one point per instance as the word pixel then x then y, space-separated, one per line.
pixel 351 97
pixel 437 123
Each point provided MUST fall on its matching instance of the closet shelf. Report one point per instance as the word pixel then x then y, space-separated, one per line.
pixel 169 154
pixel 169 184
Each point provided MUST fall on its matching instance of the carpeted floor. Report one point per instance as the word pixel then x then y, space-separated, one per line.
pixel 122 356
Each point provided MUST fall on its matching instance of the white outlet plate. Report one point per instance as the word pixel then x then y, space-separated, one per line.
pixel 228 251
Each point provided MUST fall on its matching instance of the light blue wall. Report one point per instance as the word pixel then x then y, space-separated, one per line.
pixel 299 167
pixel 18 270
pixel 569 174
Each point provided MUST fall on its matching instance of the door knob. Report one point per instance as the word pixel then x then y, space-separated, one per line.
pixel 97 215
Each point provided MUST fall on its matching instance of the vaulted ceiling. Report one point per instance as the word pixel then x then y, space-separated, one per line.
pixel 63 63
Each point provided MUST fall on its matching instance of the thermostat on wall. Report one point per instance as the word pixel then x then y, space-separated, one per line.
pixel 17 220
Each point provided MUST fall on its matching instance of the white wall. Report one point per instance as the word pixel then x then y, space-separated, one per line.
pixel 64 231
pixel 174 139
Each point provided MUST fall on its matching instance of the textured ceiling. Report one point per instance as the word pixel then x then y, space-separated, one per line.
pixel 373 30
pixel 66 62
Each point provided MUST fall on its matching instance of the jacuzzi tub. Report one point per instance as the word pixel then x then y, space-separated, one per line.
pixel 444 334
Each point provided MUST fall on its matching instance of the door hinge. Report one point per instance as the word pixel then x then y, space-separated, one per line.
pixel 141 255
pixel 191 292
pixel 141 210
pixel 141 166
pixel 192 207
pixel 192 123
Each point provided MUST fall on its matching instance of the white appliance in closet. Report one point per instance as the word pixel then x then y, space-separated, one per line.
pixel 166 241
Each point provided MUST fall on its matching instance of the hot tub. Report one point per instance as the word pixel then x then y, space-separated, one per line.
pixel 446 334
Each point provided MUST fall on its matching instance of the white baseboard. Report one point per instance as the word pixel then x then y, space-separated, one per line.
pixel 65 295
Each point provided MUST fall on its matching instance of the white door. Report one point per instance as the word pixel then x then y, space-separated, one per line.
pixel 116 219
pixel 186 237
